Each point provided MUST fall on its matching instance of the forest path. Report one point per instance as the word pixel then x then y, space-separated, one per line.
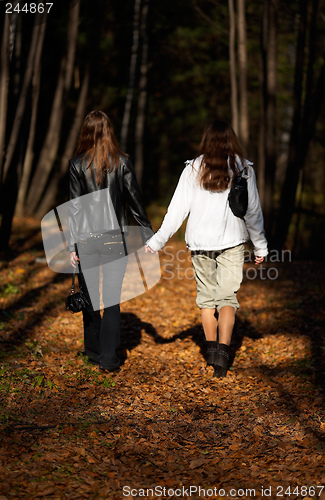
pixel 71 431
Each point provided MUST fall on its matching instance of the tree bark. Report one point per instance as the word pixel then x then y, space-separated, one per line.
pixel 304 118
pixel 4 83
pixel 29 154
pixel 261 138
pixel 307 112
pixel 269 58
pixel 242 68
pixel 15 43
pixel 232 66
pixel 141 114
pixel 52 140
pixel 15 150
pixel 133 67
pixel 22 101
pixel 49 200
pixel 10 190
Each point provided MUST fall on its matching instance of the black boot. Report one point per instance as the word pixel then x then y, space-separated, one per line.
pixel 221 361
pixel 212 349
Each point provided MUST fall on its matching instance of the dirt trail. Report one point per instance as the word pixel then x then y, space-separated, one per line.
pixel 163 421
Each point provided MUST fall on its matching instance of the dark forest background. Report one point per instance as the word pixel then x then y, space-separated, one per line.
pixel 162 69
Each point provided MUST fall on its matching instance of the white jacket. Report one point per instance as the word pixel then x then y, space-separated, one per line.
pixel 211 224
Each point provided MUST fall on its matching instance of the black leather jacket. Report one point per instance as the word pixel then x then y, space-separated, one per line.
pixel 97 214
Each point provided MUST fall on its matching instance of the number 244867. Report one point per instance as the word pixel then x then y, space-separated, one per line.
pixel 31 8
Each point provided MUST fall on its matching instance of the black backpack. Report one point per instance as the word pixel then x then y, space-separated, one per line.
pixel 238 195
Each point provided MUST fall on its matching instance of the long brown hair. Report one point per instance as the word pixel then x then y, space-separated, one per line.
pixel 219 147
pixel 98 144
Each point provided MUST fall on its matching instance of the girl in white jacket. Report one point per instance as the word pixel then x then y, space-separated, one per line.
pixel 214 235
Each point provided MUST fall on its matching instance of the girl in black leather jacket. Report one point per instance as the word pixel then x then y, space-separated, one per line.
pixel 102 182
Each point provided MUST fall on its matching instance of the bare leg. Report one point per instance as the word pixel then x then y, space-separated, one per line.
pixel 210 323
pixel 226 323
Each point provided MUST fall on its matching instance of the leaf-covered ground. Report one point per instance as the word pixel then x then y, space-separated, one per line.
pixel 71 431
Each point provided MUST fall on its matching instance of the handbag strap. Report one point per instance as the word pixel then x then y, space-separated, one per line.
pixel 244 172
pixel 73 281
pixel 74 278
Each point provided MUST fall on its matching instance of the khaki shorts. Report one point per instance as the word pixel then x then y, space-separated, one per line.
pixel 218 277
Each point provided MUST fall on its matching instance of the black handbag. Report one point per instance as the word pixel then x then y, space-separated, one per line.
pixel 76 302
pixel 238 195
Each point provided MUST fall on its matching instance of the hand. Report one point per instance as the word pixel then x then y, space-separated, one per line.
pixel 148 249
pixel 74 259
pixel 259 260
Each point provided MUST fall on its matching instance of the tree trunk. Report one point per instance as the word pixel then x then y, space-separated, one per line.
pixel 133 67
pixel 48 201
pixel 304 119
pixel 22 100
pixel 141 114
pixel 269 58
pixel 242 67
pixel 313 6
pixel 52 140
pixel 10 189
pixel 15 150
pixel 261 138
pixel 29 154
pixel 4 83
pixel 232 66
